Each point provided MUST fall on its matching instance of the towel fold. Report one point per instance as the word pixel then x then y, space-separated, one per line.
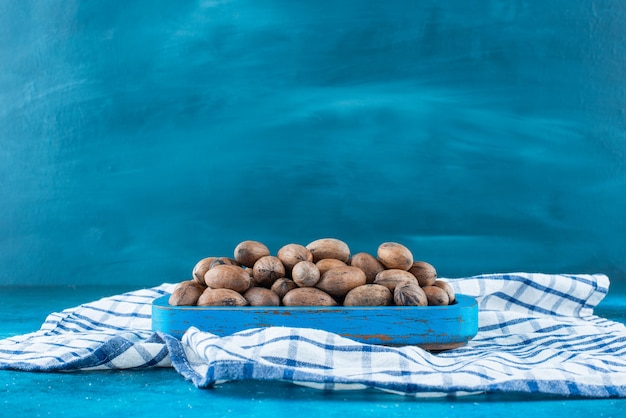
pixel 537 334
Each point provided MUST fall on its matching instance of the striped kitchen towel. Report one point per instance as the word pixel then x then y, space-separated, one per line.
pixel 537 334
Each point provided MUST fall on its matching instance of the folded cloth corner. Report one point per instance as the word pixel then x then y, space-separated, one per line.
pixel 537 334
pixel 111 333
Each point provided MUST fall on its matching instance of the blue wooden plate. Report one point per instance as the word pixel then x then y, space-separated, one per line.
pixel 433 328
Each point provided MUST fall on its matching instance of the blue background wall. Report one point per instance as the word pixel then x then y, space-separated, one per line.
pixel 138 137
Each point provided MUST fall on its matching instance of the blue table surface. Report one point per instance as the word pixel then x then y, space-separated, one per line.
pixel 163 392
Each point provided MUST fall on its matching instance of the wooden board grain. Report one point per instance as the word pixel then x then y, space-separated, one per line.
pixel 431 327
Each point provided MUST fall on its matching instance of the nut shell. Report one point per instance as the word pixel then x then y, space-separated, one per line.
pixel 369 264
pixel 292 254
pixel 338 281
pixel 267 270
pixel 394 277
pixel 226 276
pixel 394 256
pixel 449 290
pixel 369 295
pixel 424 272
pixel 409 294
pixel 221 297
pixel 186 293
pixel 436 296
pixel 329 248
pixel 218 261
pixel 329 263
pixel 305 274
pixel 248 252
pixel 200 269
pixel 261 296
pixel 282 286
pixel 308 296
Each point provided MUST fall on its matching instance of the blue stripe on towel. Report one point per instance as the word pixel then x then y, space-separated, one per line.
pixel 537 334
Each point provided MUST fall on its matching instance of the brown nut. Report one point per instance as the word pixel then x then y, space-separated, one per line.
pixel 368 295
pixel 186 293
pixel 226 276
pixel 409 294
pixel 200 269
pixel 308 296
pixel 449 290
pixel 424 272
pixel 261 296
pixel 394 256
pixel 248 252
pixel 326 264
pixel 305 274
pixel 282 286
pixel 339 281
pixel 329 248
pixel 393 277
pixel 292 254
pixel 221 297
pixel 436 296
pixel 267 270
pixel 218 261
pixel 369 264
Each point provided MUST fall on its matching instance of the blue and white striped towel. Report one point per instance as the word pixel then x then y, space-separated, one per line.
pixel 537 334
